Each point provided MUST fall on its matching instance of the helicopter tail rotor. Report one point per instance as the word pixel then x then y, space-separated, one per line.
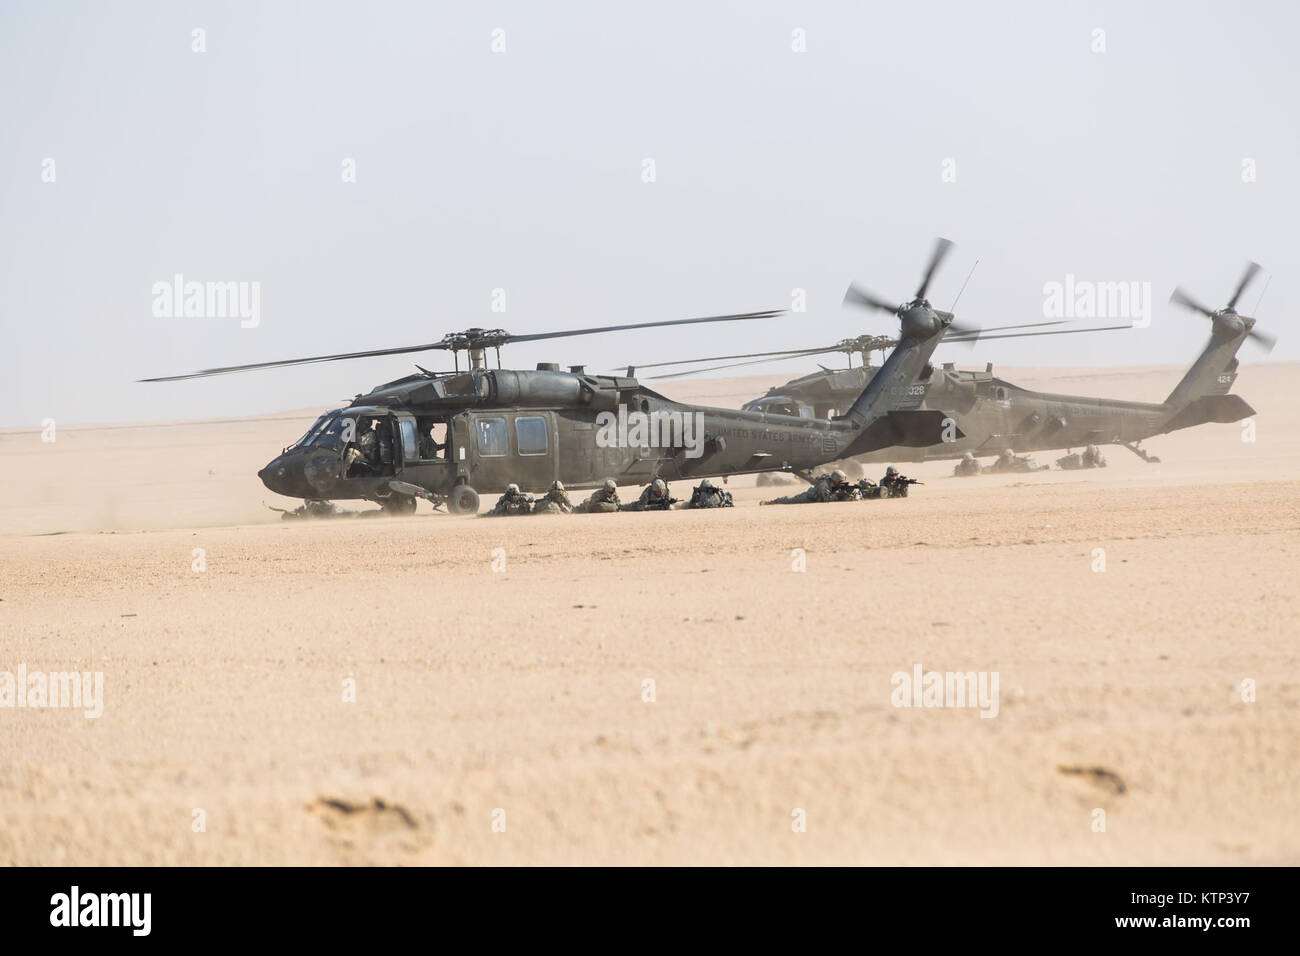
pixel 1227 320
pixel 941 249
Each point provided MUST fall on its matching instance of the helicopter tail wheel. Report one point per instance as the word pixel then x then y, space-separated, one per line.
pixel 463 500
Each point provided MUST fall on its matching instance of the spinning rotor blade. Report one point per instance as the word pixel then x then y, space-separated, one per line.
pixel 1263 338
pixel 1252 269
pixel 714 368
pixel 300 361
pixel 1000 328
pixel 856 295
pixel 742 317
pixel 941 248
pixel 1021 335
pixel 1180 297
pixel 785 353
pixel 473 339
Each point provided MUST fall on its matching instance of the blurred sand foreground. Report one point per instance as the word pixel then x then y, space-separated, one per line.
pixel 500 717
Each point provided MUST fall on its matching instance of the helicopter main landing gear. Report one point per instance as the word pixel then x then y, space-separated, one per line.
pixel 463 500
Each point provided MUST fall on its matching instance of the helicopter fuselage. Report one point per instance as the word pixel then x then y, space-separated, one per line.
pixel 490 428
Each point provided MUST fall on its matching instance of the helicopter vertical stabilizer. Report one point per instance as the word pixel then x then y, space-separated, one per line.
pixel 1215 369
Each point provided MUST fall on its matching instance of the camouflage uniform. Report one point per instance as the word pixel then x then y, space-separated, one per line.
pixel 1009 461
pixel 709 495
pixel 1091 458
pixel 867 489
pixel 894 485
pixel 654 497
pixel 967 466
pixel 554 502
pixel 603 501
pixel 513 502
pixel 825 488
pixel 364 451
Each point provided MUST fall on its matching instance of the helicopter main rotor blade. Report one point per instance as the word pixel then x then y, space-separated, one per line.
pixel 856 295
pixel 1002 328
pixel 1021 335
pixel 726 358
pixel 477 338
pixel 941 248
pixel 714 368
pixel 204 373
pixel 965 332
pixel 742 317
pixel 1179 297
pixel 1252 268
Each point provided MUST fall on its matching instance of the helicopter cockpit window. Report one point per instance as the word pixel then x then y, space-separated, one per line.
pixel 315 427
pixel 530 435
pixel 493 442
pixel 332 436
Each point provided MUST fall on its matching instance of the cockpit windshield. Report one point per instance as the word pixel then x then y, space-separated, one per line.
pixel 316 427
pixel 335 433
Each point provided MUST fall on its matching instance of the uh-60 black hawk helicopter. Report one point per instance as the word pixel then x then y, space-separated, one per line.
pixel 446 436
pixel 997 416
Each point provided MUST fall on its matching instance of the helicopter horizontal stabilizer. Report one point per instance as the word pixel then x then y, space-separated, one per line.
pixel 1223 409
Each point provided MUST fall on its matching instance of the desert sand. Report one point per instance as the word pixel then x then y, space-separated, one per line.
pixel 502 716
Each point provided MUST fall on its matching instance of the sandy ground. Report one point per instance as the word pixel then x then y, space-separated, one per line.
pixel 518 696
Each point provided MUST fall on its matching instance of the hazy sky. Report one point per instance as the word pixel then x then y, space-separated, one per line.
pixel 522 170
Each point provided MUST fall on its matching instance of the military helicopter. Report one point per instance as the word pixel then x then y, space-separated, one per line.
pixel 996 415
pixel 446 436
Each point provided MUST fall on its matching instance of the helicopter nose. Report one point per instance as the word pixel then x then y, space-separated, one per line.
pixel 275 476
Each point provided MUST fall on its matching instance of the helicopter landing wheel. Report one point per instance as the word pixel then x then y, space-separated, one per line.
pixel 463 500
pixel 398 505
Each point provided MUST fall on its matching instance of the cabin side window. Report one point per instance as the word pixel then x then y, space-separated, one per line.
pixel 492 439
pixel 531 435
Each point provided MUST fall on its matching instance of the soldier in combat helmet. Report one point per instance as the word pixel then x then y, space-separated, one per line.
pixel 968 466
pixel 513 502
pixel 1090 458
pixel 894 485
pixel 554 502
pixel 603 500
pixel 830 487
pixel 708 495
pixel 654 497
pixel 1010 462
